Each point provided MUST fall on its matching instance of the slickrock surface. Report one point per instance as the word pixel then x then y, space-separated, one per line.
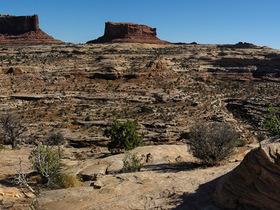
pixel 23 30
pixel 128 33
pixel 255 182
pixel 169 179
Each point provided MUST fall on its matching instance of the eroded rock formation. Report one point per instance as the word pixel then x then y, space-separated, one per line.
pixel 23 30
pixel 255 183
pixel 128 33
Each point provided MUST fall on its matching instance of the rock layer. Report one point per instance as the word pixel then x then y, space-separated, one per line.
pixel 128 33
pixel 255 183
pixel 23 30
pixel 15 25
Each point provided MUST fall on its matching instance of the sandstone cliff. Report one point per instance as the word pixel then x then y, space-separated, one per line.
pixel 255 183
pixel 23 30
pixel 128 33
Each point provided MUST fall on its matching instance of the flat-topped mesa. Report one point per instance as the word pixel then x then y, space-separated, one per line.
pixel 23 30
pixel 128 33
pixel 15 25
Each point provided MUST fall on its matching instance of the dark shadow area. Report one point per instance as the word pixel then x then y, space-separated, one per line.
pixel 8 181
pixel 171 167
pixel 104 155
pixel 202 198
pixel 33 178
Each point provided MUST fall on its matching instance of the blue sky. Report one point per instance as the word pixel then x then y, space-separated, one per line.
pixel 202 21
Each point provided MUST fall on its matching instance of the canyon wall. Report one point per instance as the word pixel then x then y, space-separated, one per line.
pixel 15 25
pixel 23 30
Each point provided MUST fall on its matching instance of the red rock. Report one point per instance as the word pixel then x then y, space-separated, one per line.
pixel 128 33
pixel 23 30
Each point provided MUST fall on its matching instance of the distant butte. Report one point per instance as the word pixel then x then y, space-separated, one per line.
pixel 128 33
pixel 23 30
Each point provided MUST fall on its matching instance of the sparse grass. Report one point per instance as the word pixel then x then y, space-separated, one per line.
pixel 132 162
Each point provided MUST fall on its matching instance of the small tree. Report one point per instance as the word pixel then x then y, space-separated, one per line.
pixel 12 128
pixel 56 138
pixel 273 122
pixel 212 142
pixel 46 162
pixel 123 136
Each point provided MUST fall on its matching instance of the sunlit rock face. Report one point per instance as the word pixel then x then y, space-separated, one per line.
pixel 23 30
pixel 128 33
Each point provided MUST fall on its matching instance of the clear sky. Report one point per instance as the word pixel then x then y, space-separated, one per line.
pixel 202 21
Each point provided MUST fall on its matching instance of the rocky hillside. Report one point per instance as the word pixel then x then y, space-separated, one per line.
pixel 79 90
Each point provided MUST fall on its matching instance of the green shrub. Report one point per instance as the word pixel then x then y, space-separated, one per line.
pixel 123 136
pixel 132 162
pixel 46 162
pixel 273 122
pixel 212 142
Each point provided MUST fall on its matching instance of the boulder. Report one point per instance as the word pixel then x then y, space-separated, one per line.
pixel 255 183
pixel 128 33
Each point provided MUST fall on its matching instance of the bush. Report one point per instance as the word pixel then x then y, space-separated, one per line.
pixel 46 162
pixel 272 123
pixel 69 181
pixel 55 138
pixel 132 162
pixel 212 142
pixel 123 136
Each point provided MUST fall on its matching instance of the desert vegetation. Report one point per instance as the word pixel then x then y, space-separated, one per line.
pixel 11 128
pixel 272 122
pixel 123 136
pixel 132 162
pixel 212 142
pixel 71 104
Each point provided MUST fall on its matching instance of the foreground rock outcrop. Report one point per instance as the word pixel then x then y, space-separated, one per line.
pixel 167 179
pixel 23 30
pixel 255 183
pixel 128 33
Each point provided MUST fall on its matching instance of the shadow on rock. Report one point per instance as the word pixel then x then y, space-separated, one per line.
pixel 171 167
pixel 202 198
pixel 33 178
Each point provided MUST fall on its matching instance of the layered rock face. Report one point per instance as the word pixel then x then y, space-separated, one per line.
pixel 255 183
pixel 15 25
pixel 23 30
pixel 128 33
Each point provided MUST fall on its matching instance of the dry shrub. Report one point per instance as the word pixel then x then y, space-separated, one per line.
pixel 69 181
pixel 212 142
